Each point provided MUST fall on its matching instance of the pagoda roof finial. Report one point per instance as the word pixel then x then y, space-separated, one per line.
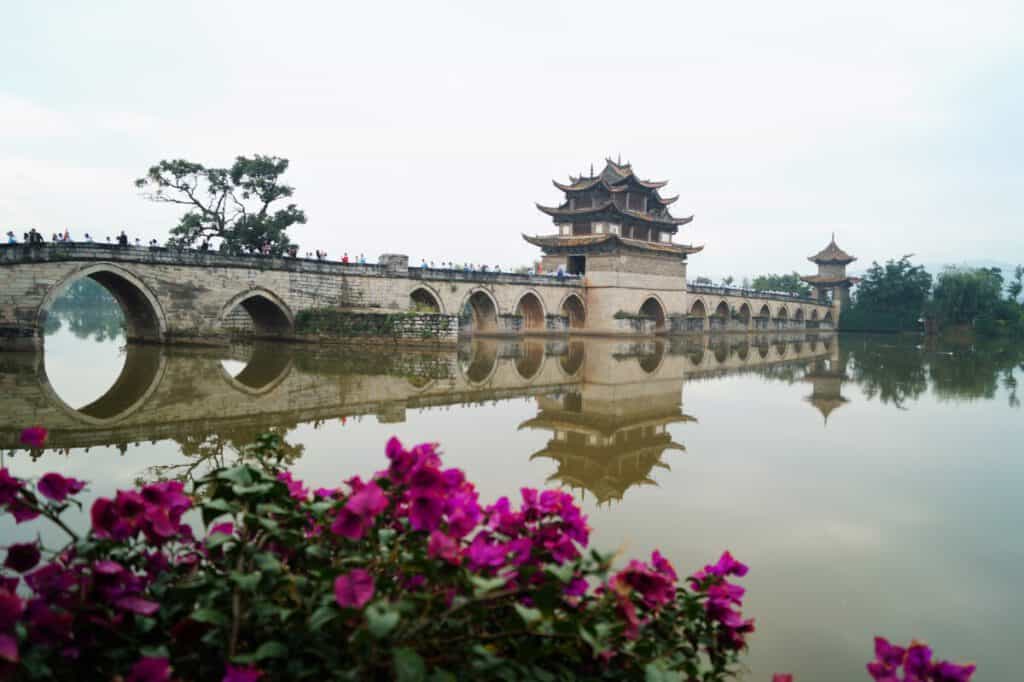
pixel 832 254
pixel 591 170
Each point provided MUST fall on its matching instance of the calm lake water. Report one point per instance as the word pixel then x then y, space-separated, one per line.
pixel 873 484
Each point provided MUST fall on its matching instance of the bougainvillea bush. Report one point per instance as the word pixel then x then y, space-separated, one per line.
pixel 404 576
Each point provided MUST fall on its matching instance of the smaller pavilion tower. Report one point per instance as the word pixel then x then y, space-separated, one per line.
pixel 831 277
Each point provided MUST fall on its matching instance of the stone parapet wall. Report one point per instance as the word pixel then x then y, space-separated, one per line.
pixel 424 328
pixel 195 297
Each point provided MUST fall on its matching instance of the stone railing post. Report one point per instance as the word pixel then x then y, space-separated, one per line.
pixel 395 263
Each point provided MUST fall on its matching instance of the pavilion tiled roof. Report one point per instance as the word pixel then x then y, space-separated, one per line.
pixel 832 254
pixel 610 207
pixel 556 241
pixel 824 279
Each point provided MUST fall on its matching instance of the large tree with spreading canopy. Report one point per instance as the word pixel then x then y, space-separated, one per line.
pixel 229 205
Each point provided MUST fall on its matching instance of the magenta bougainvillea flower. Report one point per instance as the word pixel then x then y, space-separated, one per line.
pixel 441 546
pixel 11 608
pixel 239 674
pixel 295 487
pixel 9 486
pixel 150 670
pixel 9 649
pixel 413 539
pixel 22 557
pixel 915 663
pixel 34 436
pixel 353 590
pixel 57 488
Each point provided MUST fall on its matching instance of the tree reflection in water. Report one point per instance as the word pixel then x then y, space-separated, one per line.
pixel 899 369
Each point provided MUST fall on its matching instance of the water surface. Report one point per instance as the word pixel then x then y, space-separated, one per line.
pixel 872 483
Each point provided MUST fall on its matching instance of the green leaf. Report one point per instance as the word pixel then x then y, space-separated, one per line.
pixel 218 505
pixel 409 667
pixel 154 651
pixel 271 649
pixel 565 572
pixel 270 508
pixel 246 581
pixel 316 552
pixel 239 475
pixel 529 616
pixel 254 489
pixel 211 616
pixel 322 616
pixel 321 506
pixel 482 586
pixel 657 671
pixel 218 539
pixel 267 562
pixel 439 675
pixel 386 535
pixel 381 619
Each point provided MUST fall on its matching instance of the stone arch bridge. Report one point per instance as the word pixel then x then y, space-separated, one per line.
pixel 195 297
pixel 185 393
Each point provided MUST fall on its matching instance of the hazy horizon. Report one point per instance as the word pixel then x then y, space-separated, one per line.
pixel 431 130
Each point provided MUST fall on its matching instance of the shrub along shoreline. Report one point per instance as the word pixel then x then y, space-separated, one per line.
pixel 404 576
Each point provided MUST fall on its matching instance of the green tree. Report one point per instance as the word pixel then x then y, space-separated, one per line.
pixel 790 284
pixel 965 296
pixel 232 205
pixel 897 287
pixel 1016 286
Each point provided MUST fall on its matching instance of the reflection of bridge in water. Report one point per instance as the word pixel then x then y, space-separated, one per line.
pixel 183 394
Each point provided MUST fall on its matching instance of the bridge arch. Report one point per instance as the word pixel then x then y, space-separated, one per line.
pixel 143 315
pixel 782 314
pixel 271 316
pixel 140 377
pixel 653 307
pixel 799 315
pixel 530 359
pixel 722 310
pixel 651 362
pixel 265 369
pixel 698 308
pixel 572 360
pixel 814 315
pixel 572 307
pixel 424 299
pixel 478 362
pixel 531 309
pixel 480 311
pixel 744 314
pixel 765 312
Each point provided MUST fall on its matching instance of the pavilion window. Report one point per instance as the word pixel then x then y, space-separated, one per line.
pixel 666 237
pixel 614 228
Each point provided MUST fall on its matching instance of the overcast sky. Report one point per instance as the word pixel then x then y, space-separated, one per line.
pixel 431 129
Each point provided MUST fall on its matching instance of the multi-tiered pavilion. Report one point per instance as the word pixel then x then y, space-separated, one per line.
pixel 616 229
pixel 832 278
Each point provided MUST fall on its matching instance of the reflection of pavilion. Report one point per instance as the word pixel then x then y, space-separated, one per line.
pixel 826 378
pixel 608 446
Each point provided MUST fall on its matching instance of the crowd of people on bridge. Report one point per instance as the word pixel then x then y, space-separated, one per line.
pixel 35 238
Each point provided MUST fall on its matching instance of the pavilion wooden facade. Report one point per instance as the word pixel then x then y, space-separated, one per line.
pixel 610 212
pixel 832 278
